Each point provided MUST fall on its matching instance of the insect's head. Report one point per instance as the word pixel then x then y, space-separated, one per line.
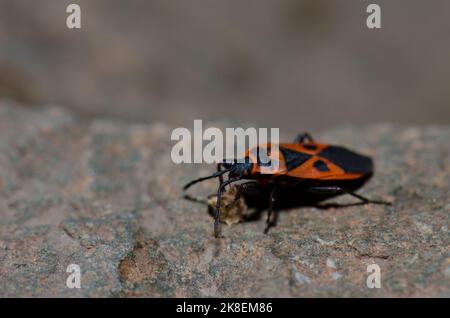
pixel 238 169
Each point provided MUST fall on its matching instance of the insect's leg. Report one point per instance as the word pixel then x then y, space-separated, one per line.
pixel 337 190
pixel 219 199
pixel 250 187
pixel 300 139
pixel 273 200
pixel 219 169
pixel 366 200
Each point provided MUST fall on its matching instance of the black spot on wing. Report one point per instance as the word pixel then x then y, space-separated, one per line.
pixel 294 158
pixel 321 165
pixel 349 161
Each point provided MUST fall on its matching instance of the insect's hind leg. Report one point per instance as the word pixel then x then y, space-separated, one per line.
pixel 300 139
pixel 270 211
pixel 337 190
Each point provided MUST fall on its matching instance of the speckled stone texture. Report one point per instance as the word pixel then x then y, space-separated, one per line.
pixel 105 195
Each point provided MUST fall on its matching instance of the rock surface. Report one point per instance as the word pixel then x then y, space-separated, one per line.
pixel 104 195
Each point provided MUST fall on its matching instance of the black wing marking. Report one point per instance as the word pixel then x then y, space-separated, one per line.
pixel 349 161
pixel 294 158
pixel 321 165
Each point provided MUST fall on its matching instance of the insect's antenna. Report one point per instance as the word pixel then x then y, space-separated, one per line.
pixel 195 199
pixel 215 175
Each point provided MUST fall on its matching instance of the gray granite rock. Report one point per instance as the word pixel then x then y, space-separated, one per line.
pixel 104 195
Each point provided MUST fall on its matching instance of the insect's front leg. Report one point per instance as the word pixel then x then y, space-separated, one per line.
pixel 219 169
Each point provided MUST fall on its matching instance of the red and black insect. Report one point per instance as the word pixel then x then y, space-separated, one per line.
pixel 304 167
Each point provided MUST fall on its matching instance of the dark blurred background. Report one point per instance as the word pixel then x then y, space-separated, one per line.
pixel 299 64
